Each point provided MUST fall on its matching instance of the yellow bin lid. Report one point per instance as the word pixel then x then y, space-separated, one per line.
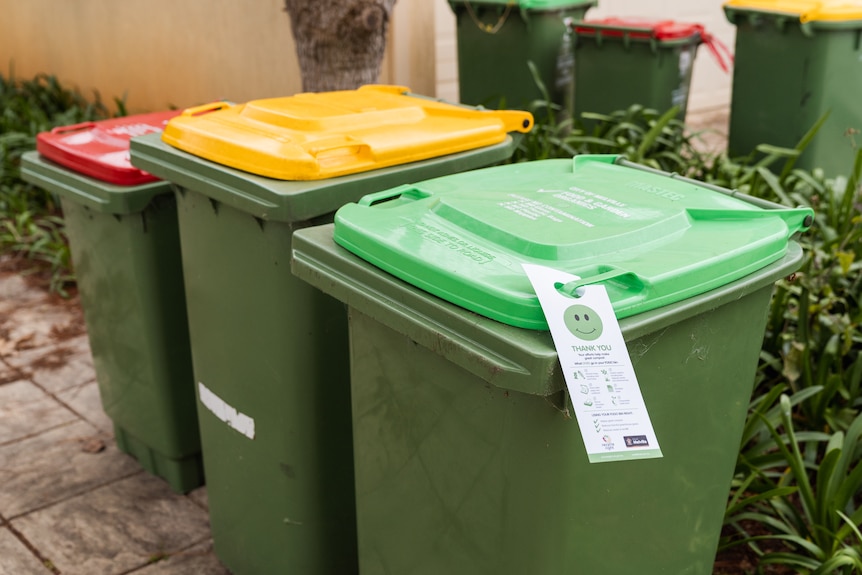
pixel 807 10
pixel 311 136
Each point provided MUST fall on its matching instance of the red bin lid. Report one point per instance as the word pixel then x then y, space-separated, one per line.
pixel 101 149
pixel 661 30
pixel 640 28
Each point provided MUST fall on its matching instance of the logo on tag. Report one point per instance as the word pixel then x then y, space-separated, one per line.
pixel 636 441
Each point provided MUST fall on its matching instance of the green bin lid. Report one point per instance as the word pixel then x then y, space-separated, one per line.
pixel 650 237
pixel 531 4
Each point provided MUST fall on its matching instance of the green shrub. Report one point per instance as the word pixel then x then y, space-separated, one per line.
pixel 30 224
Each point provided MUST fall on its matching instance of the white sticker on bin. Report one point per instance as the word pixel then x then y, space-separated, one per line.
pixel 602 385
pixel 228 414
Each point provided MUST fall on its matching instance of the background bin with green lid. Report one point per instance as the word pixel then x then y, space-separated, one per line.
pixel 123 237
pixel 466 458
pixel 796 61
pixel 620 62
pixel 270 354
pixel 496 39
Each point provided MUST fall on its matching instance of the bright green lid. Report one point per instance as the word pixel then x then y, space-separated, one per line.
pixel 651 238
pixel 531 4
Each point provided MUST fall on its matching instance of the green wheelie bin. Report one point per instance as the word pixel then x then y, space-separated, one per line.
pixel 795 62
pixel 620 62
pixel 270 351
pixel 497 38
pixel 123 237
pixel 467 457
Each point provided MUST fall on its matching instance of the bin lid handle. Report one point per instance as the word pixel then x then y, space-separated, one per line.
pixel 206 108
pixel 512 120
pixel 347 144
pixel 406 192
pixel 73 127
pixel 572 288
pixel 489 28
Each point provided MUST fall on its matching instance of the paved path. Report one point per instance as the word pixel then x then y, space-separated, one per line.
pixel 70 502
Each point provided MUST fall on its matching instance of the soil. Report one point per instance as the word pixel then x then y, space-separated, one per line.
pixel 741 560
pixel 38 277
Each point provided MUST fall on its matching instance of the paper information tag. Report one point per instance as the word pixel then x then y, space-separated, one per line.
pixel 605 394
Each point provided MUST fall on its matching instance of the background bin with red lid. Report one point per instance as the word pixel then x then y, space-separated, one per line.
pixel 122 228
pixel 620 62
pixel 101 149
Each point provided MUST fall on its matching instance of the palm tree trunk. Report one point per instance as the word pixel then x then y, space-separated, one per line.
pixel 339 43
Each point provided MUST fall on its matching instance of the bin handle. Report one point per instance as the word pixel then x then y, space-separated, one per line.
pixel 760 203
pixel 411 192
pixel 489 28
pixel 797 219
pixel 323 146
pixel 512 120
pixel 73 127
pixel 571 288
pixel 205 108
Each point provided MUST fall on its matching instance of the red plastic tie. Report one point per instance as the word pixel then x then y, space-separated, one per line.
pixel 716 47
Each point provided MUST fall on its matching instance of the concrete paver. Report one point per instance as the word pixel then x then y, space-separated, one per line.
pixel 57 464
pixel 199 560
pixel 110 530
pixel 85 401
pixel 70 501
pixel 8 374
pixel 22 404
pixel 199 496
pixel 36 325
pixel 58 366
pixel 14 292
pixel 16 559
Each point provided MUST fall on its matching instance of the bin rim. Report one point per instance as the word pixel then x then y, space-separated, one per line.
pixel 508 357
pixel 92 193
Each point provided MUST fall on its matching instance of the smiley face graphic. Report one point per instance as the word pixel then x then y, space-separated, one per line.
pixel 583 322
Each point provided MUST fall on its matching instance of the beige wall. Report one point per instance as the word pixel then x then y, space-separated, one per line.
pixel 163 53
